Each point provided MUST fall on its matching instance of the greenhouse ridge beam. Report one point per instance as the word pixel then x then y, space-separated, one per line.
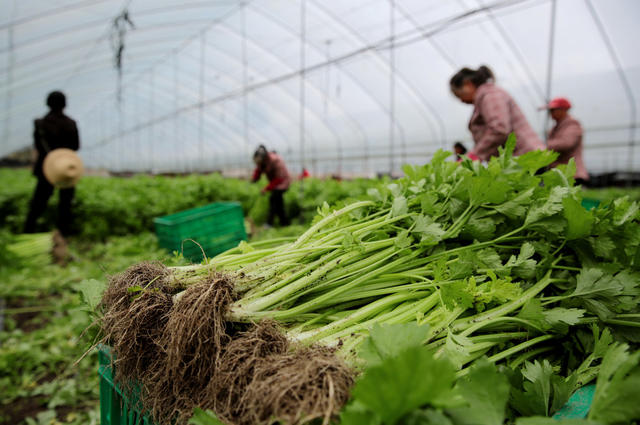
pixel 51 12
pixel 384 42
pixel 439 26
pixel 19 107
pixel 431 29
pixel 147 12
pixel 453 64
pixel 368 48
pixel 96 41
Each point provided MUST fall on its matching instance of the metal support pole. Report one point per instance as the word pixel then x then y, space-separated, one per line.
pixel 9 92
pixel 103 137
pixel 245 81
pixel 325 109
pixel 176 145
pixel 103 133
pixel 136 136
pixel 552 33
pixel 201 106
pixel 117 161
pixel 100 151
pixel 152 126
pixel 303 35
pixel 392 85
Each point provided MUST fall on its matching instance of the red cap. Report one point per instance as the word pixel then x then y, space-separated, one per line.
pixel 558 103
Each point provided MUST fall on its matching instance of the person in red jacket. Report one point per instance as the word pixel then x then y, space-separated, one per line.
pixel 272 164
pixel 566 137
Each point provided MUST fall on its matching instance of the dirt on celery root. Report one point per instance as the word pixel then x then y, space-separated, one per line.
pixel 225 395
pixel 298 386
pixel 263 376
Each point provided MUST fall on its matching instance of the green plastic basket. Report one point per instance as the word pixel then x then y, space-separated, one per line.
pixel 116 408
pixel 578 405
pixel 589 203
pixel 211 230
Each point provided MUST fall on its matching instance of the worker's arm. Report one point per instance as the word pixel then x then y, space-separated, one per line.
pixel 256 175
pixel 566 138
pixel 494 109
pixel 272 184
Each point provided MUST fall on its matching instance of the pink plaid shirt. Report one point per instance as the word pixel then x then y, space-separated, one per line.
pixel 566 139
pixel 495 116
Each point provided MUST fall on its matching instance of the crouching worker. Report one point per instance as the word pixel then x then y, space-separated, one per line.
pixel 272 164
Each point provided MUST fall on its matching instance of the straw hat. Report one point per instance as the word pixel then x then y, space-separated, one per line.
pixel 62 167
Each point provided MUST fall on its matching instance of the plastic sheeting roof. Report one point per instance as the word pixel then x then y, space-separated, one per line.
pixel 357 86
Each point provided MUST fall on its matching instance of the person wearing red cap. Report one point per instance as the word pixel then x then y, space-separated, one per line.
pixel 495 114
pixel 566 137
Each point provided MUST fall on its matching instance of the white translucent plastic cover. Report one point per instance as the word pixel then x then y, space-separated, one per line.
pixel 348 87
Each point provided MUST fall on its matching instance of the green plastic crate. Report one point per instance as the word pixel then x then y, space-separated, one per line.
pixel 119 409
pixel 589 203
pixel 213 229
pixel 116 408
pixel 578 405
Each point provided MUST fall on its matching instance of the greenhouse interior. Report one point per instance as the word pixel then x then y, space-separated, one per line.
pixel 283 212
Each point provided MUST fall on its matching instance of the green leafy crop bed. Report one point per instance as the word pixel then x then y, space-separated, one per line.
pixel 610 193
pixel 106 206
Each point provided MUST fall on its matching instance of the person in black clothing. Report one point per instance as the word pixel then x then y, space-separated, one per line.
pixel 54 130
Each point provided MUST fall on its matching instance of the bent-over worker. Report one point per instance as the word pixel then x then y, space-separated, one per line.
pixel 495 114
pixel 272 164
pixel 566 137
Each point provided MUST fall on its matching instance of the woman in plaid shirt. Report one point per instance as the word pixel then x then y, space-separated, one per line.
pixel 495 114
